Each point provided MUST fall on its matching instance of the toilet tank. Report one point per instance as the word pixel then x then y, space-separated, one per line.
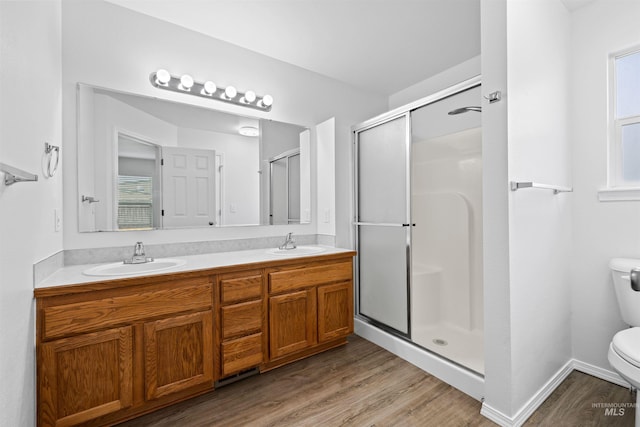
pixel 628 299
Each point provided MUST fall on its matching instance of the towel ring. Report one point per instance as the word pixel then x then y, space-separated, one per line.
pixel 51 166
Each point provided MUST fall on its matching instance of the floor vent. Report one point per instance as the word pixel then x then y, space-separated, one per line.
pixel 237 377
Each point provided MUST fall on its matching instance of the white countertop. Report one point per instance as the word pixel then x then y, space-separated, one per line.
pixel 72 275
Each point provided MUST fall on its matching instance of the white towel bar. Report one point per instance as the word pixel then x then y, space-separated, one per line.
pixel 13 175
pixel 528 184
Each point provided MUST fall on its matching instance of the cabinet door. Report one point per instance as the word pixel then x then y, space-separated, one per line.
pixel 292 322
pixel 85 377
pixel 335 311
pixel 178 353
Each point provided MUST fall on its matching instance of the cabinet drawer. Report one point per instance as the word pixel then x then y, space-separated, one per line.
pixel 242 353
pixel 286 280
pixel 241 319
pixel 235 289
pixel 96 314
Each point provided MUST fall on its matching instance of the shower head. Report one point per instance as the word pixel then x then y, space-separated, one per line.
pixel 465 110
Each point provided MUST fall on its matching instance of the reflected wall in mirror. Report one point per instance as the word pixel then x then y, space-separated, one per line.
pixel 155 164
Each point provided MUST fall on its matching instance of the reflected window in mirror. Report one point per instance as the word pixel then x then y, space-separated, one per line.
pixel 138 181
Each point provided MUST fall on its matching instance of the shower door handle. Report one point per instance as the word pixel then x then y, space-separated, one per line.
pixel 384 224
pixel 381 224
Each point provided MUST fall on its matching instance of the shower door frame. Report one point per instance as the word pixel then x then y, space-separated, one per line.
pixel 406 223
pixel 399 112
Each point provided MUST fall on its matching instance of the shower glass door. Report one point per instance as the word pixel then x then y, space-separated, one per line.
pixel 382 223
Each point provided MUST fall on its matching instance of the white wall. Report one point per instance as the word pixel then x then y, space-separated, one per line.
pixel 538 54
pixel 326 160
pixel 306 157
pixel 528 340
pixel 30 114
pixel 109 46
pixel 459 73
pixel 495 209
pixel 602 230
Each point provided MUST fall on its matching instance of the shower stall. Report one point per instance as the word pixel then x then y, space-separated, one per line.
pixel 418 225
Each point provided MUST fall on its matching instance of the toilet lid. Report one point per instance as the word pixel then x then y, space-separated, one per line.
pixel 627 344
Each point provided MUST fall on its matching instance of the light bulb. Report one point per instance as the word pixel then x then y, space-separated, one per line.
pixel 186 82
pixel 267 100
pixel 250 96
pixel 162 77
pixel 230 92
pixel 209 88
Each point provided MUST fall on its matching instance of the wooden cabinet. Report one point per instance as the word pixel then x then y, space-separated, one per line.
pixel 310 309
pixel 107 353
pixel 178 353
pixel 85 377
pixel 292 322
pixel 110 351
pixel 335 311
pixel 242 320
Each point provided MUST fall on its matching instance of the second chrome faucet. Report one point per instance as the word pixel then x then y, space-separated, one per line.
pixel 289 243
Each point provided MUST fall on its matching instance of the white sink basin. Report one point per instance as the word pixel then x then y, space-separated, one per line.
pixel 300 250
pixel 122 269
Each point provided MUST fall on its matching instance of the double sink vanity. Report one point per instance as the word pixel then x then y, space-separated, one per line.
pixel 118 340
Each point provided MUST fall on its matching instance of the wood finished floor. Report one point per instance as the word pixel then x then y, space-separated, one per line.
pixel 361 384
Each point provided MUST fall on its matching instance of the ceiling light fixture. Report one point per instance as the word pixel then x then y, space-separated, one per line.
pixel 248 131
pixel 162 79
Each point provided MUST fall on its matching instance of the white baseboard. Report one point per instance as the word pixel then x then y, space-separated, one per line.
pixel 545 391
pixel 464 380
pixel 603 374
pixel 495 416
pixel 532 404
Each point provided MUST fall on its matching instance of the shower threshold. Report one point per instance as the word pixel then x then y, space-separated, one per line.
pixel 456 344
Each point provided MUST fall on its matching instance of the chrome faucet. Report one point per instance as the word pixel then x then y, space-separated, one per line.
pixel 139 257
pixel 289 243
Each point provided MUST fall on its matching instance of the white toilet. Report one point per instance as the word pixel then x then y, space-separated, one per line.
pixel 624 350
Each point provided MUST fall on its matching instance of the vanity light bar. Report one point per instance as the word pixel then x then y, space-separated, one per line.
pixel 185 84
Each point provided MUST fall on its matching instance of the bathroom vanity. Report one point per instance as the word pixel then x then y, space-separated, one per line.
pixel 112 349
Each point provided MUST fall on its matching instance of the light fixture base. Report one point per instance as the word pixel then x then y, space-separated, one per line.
pixel 197 89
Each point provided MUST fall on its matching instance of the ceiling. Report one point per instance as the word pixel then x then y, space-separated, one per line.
pixel 381 46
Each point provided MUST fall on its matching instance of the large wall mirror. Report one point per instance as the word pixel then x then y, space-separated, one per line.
pixel 147 163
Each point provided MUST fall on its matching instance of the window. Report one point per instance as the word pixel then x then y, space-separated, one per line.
pixel 624 120
pixel 135 202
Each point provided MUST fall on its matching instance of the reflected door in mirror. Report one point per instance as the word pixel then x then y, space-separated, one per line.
pixel 188 181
